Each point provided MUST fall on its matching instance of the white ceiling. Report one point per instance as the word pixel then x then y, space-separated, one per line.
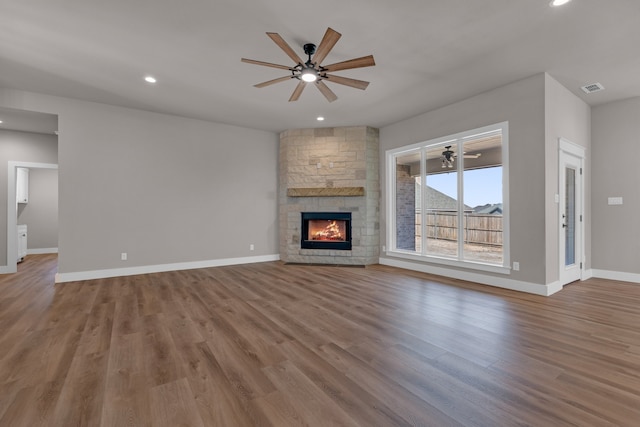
pixel 428 53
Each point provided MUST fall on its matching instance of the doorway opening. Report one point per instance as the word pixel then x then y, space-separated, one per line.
pixel 13 208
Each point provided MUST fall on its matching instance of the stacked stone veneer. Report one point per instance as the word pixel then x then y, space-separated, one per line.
pixel 405 208
pixel 348 157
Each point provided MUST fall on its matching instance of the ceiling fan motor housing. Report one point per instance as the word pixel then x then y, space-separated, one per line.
pixel 308 71
pixel 309 49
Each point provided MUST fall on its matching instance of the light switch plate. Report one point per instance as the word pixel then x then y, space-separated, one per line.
pixel 615 200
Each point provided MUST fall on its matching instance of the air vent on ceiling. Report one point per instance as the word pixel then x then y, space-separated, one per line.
pixel 593 87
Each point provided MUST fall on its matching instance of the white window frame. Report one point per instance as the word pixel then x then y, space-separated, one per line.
pixel 391 156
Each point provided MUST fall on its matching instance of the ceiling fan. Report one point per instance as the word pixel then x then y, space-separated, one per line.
pixel 311 71
pixel 449 156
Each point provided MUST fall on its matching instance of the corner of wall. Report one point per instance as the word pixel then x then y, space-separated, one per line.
pixel 569 117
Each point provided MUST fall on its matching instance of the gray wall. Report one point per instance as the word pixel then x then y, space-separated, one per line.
pixel 164 189
pixel 522 104
pixel 24 147
pixel 41 213
pixel 616 150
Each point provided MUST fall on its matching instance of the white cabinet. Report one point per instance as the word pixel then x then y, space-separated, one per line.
pixel 22 242
pixel 22 185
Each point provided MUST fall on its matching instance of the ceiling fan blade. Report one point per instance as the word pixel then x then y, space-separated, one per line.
pixel 284 46
pixel 329 40
pixel 274 81
pixel 266 64
pixel 328 93
pixel 365 61
pixel 298 91
pixel 358 84
pixel 472 156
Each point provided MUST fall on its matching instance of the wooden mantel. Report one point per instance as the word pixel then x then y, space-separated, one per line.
pixel 326 192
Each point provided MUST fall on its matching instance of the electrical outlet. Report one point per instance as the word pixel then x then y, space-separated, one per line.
pixel 516 266
pixel 251 247
pixel 384 248
pixel 123 256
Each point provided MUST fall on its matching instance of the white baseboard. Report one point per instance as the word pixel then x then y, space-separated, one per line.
pixel 616 275
pixel 500 282
pixel 37 251
pixel 6 270
pixel 146 269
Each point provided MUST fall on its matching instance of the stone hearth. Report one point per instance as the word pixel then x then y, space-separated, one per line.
pixel 330 170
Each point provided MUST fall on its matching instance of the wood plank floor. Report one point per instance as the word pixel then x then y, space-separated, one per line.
pixel 281 345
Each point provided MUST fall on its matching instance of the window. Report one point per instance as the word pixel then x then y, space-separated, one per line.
pixel 448 199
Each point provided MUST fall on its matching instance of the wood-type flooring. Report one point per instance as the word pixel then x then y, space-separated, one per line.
pixel 271 344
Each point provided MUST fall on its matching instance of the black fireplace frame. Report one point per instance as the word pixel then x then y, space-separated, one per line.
pixel 305 243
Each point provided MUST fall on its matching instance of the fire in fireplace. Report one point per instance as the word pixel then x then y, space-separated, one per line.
pixel 326 230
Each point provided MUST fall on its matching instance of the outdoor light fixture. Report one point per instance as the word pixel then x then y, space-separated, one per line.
pixel 448 157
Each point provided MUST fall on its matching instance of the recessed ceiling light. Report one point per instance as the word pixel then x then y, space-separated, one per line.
pixel 558 2
pixel 320 118
pixel 0 121
pixel 150 79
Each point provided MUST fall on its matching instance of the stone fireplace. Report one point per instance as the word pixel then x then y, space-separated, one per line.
pixel 330 171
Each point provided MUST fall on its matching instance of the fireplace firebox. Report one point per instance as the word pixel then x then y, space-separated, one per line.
pixel 326 230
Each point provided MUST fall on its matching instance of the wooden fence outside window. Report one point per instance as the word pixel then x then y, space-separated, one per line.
pixel 484 229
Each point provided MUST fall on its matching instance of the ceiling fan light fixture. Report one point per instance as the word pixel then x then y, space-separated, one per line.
pixel 309 74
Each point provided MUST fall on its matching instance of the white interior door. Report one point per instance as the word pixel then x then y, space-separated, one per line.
pixel 571 214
